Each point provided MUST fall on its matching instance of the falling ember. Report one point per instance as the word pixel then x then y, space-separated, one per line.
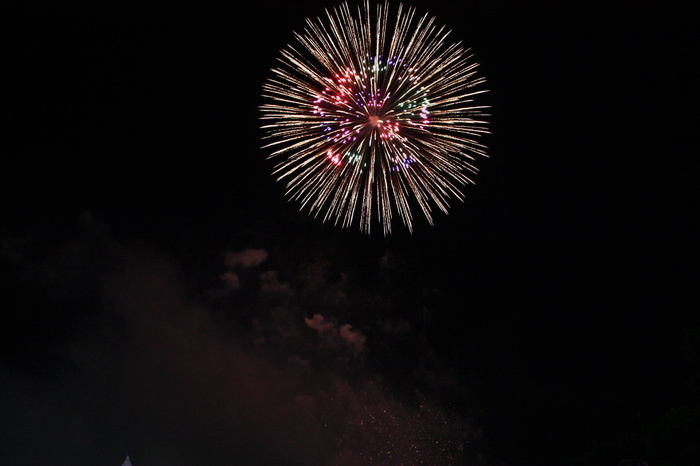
pixel 372 113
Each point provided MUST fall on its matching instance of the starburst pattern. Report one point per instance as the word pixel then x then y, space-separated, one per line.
pixel 374 114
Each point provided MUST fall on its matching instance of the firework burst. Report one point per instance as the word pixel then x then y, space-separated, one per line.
pixel 373 114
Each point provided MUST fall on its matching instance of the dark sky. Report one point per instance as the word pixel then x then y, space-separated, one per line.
pixel 160 294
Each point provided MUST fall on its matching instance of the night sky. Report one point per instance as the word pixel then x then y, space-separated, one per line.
pixel 159 293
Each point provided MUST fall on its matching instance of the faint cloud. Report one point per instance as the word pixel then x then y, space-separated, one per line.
pixel 13 249
pixel 319 323
pixel 353 338
pixel 245 258
pixel 230 280
pixel 337 338
pixel 270 283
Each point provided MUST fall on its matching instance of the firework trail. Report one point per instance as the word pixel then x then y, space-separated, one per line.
pixel 373 114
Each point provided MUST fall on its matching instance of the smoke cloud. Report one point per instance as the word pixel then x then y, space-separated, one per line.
pixel 162 370
pixel 245 258
pixel 337 338
pixel 231 280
